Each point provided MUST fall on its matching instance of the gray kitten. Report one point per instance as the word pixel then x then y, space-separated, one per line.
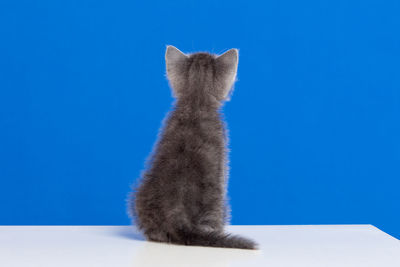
pixel 182 196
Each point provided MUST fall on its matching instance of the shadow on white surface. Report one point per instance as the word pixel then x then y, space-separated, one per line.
pixel 147 253
pixel 129 233
pixel 158 254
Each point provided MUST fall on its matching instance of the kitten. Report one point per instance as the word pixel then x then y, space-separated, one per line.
pixel 182 196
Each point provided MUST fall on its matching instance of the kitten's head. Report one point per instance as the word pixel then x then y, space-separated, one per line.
pixel 201 74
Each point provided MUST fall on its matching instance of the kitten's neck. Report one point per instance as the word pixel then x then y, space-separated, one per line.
pixel 192 112
pixel 201 102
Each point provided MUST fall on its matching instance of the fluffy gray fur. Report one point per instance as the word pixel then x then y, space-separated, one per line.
pixel 182 195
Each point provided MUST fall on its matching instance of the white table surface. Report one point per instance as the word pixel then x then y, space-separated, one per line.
pixel 120 246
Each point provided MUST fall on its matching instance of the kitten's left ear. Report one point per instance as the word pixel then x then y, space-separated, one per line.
pixel 175 59
pixel 173 55
pixel 228 63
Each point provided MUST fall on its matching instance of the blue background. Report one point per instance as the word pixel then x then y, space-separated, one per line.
pixel 314 120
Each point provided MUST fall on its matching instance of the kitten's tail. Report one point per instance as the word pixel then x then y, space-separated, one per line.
pixel 216 239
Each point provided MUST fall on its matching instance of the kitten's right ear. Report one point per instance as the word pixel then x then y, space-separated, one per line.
pixel 173 56
pixel 228 63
